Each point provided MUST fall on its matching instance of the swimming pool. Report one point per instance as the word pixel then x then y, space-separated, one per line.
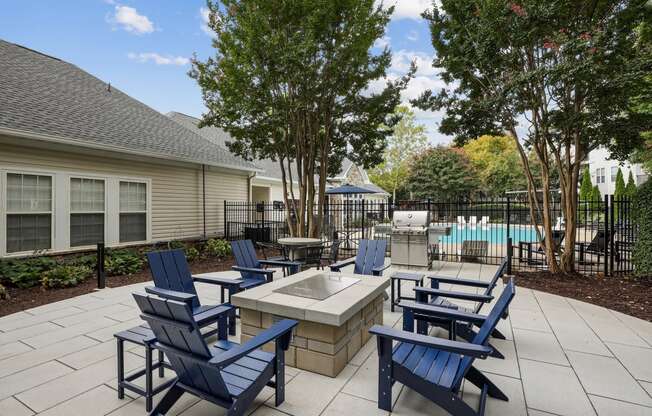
pixel 492 233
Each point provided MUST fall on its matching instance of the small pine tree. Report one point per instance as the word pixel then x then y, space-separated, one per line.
pixel 619 193
pixel 586 194
pixel 586 188
pixel 596 196
pixel 630 189
pixel 643 246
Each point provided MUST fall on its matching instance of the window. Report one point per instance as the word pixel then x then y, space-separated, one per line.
pixel 29 212
pixel 600 175
pixel 86 211
pixel 614 173
pixel 133 211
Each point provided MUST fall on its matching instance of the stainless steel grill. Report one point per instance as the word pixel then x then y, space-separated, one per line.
pixel 414 241
pixel 410 239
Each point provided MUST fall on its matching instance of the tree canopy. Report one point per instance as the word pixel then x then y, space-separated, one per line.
pixel 557 76
pixel 443 173
pixel 494 158
pixel 290 81
pixel 407 141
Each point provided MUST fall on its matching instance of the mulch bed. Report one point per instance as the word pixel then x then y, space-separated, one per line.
pixel 623 294
pixel 21 299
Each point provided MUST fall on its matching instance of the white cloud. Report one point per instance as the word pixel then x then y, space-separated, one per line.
pixel 158 59
pixel 402 59
pixel 204 13
pixel 130 20
pixel 413 35
pixel 426 78
pixel 407 9
pixel 382 42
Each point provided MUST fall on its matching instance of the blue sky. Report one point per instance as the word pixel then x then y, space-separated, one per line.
pixel 143 47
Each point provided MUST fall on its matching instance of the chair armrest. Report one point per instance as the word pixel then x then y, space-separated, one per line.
pixel 458 347
pixel 170 294
pixel 280 263
pixel 452 294
pixel 379 270
pixel 222 281
pixel 252 270
pixel 274 332
pixel 337 266
pixel 463 282
pixel 443 313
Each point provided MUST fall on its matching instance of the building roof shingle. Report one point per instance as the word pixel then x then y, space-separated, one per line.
pixel 50 98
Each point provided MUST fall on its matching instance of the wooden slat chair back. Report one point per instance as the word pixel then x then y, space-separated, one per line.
pixel 474 249
pixel 371 255
pixel 502 268
pixel 179 337
pixel 482 337
pixel 245 256
pixel 170 271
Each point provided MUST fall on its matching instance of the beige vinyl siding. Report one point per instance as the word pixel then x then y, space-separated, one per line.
pixel 176 189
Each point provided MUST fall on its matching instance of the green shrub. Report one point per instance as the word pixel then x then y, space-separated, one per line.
pixel 217 247
pixel 87 260
pixel 174 244
pixel 25 272
pixel 121 262
pixel 642 257
pixel 192 253
pixel 65 276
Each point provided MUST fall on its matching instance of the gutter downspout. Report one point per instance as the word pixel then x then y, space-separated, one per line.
pixel 203 188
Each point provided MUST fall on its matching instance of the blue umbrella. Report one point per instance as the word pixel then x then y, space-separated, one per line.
pixel 348 189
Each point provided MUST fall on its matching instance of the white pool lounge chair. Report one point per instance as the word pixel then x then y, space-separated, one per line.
pixel 473 220
pixel 484 221
pixel 461 220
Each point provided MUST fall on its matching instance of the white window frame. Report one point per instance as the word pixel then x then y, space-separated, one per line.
pixel 147 212
pixel 60 232
pixel 613 173
pixel 70 212
pixel 4 209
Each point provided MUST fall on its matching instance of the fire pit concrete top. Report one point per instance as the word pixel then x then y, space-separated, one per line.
pixel 334 310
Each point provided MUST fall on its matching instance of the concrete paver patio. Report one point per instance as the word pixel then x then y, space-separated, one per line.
pixel 563 357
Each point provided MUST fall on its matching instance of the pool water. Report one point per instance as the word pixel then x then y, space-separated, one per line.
pixel 492 233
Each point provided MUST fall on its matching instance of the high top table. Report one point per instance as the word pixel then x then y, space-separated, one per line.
pixel 296 245
pixel 334 310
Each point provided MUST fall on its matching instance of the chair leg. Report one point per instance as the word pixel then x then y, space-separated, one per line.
pixel 232 322
pixel 279 378
pixel 161 367
pixel 121 369
pixel 148 378
pixel 481 381
pixel 166 403
pixel 497 334
pixel 385 374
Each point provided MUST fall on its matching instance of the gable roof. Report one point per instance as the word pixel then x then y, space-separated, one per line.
pixel 268 167
pixel 50 99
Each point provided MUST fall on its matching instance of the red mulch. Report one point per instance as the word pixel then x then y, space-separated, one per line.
pixel 21 299
pixel 624 294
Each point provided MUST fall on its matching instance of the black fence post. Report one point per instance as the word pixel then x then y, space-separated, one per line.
pixel 610 235
pixel 101 276
pixel 509 255
pixel 225 231
pixel 363 219
pixel 608 212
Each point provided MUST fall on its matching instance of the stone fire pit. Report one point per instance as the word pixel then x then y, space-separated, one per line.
pixel 335 312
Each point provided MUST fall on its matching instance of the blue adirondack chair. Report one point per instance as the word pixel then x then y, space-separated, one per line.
pixel 228 374
pixel 435 367
pixel 252 271
pixel 437 297
pixel 173 280
pixel 370 259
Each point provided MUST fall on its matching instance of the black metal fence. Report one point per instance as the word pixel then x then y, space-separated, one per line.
pixel 485 231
